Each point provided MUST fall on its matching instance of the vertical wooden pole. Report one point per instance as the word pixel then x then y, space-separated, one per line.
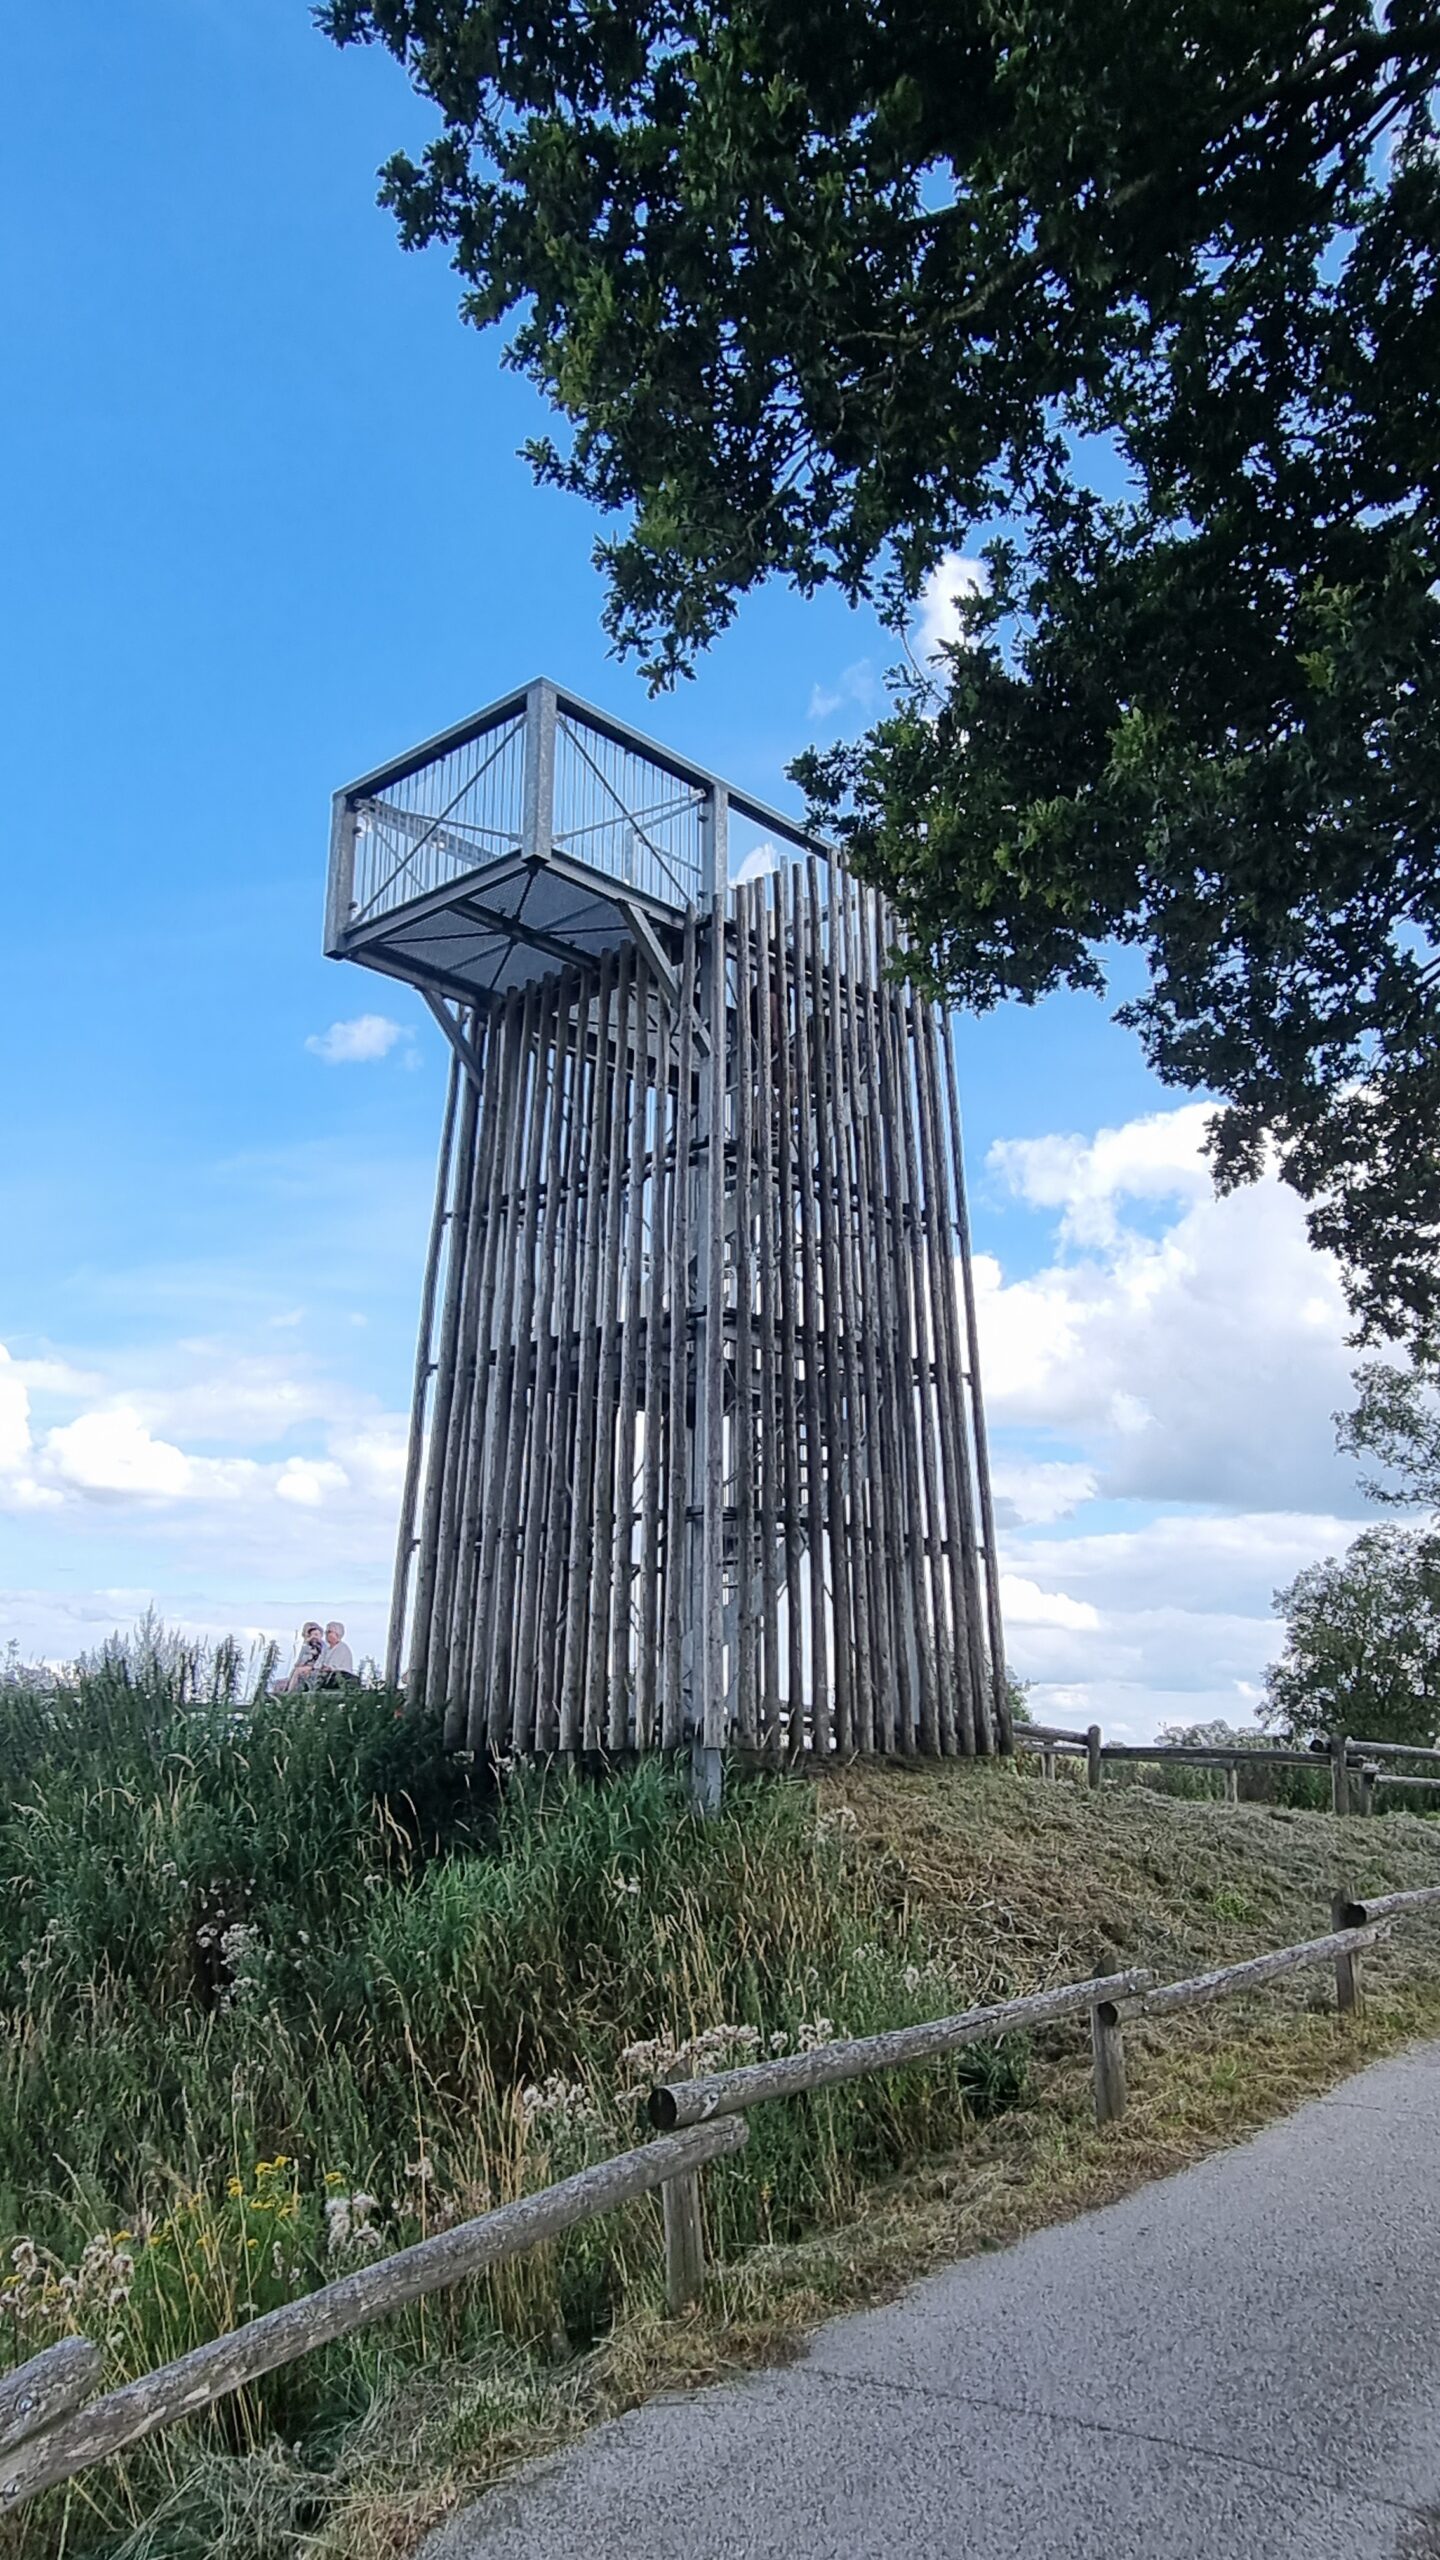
pixel 966 1651
pixel 1094 1765
pixel 479 1520
pixel 504 1564
pixel 624 1559
pixel 424 1367
pixel 770 1501
pixel 817 1456
pixel 789 1382
pixel 443 1398
pixel 648 1646
pixel 1339 1773
pixel 743 1420
pixel 684 2243
pixel 602 1499
pixel 460 1512
pixel 850 1457
pixel 828 1326
pixel 578 1571
pixel 553 1612
pixel 713 1721
pixel 677 1430
pixel 905 1507
pixel 1348 1994
pixel 565 1059
pixel 999 1685
pixel 1107 2045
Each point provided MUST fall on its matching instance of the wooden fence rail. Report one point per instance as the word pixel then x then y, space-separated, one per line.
pixel 50 2429
pixel 1355 1776
pixel 51 2448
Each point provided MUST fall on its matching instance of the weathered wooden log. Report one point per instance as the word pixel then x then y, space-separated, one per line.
pixel 1382 1906
pixel 723 2093
pixel 1347 1961
pixel 209 2373
pixel 1107 2046
pixel 1095 1767
pixel 52 2383
pixel 420 1394
pixel 1394 1750
pixel 684 2242
pixel 1229 1979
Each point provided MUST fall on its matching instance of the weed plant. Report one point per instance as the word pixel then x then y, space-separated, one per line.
pixel 280 1989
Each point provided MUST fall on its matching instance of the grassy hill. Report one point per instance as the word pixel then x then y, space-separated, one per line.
pixel 278 1993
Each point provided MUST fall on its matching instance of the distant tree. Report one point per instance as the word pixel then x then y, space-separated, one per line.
pixel 1142 299
pixel 1396 1424
pixel 1362 1643
pixel 1217 1735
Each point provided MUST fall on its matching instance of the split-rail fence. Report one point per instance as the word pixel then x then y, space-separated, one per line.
pixel 1356 1776
pixel 51 2428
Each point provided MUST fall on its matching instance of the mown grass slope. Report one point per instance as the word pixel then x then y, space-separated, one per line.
pixel 279 1993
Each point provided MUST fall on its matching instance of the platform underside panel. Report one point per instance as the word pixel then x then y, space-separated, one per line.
pixel 704 1457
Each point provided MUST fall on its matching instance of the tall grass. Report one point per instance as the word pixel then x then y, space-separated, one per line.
pixel 279 1989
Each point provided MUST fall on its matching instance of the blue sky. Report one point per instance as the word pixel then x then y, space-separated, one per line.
pixel 264 524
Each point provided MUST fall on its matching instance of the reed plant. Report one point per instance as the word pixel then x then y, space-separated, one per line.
pixel 281 1988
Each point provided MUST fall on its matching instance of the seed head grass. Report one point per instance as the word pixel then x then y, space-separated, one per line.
pixel 281 1990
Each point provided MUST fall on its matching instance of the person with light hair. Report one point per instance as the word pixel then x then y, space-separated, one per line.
pixel 337 1662
pixel 304 1668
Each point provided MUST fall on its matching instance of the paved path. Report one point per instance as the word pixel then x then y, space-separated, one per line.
pixel 1242 2360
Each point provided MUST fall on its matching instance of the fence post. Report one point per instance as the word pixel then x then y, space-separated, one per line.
pixel 1232 1784
pixel 1107 2045
pixel 1348 1996
pixel 1094 1764
pixel 1047 1762
pixel 684 2242
pixel 1369 1778
pixel 1339 1774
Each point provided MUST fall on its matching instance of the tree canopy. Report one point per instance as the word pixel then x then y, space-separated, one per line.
pixel 1138 299
pixel 1362 1643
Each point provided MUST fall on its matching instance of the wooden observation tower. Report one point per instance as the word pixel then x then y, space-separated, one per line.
pixel 697 1454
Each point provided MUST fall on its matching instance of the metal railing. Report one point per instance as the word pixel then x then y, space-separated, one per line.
pixel 50 2427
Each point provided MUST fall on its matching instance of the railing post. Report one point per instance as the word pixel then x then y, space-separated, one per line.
pixel 684 2243
pixel 1107 2045
pixel 1094 1765
pixel 1348 1994
pixel 1369 1780
pixel 1339 1774
pixel 1047 1762
pixel 1232 1784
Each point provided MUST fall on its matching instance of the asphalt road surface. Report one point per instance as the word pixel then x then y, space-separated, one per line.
pixel 1242 2360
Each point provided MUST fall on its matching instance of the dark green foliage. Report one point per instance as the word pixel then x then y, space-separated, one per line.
pixel 1362 1645
pixel 1142 299
pixel 258 1958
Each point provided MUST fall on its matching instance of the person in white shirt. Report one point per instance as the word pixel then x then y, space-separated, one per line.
pixel 336 1661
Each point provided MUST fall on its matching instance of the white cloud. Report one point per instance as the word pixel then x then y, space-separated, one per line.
pixel 855 688
pixel 1202 1363
pixel 758 863
pixel 1180 1627
pixel 951 585
pixel 113 1453
pixel 1171 1349
pixel 355 1043
pixel 1024 1604
pixel 1040 1489
pixel 309 1480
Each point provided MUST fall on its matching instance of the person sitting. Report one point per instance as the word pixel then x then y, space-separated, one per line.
pixel 306 1664
pixel 337 1662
